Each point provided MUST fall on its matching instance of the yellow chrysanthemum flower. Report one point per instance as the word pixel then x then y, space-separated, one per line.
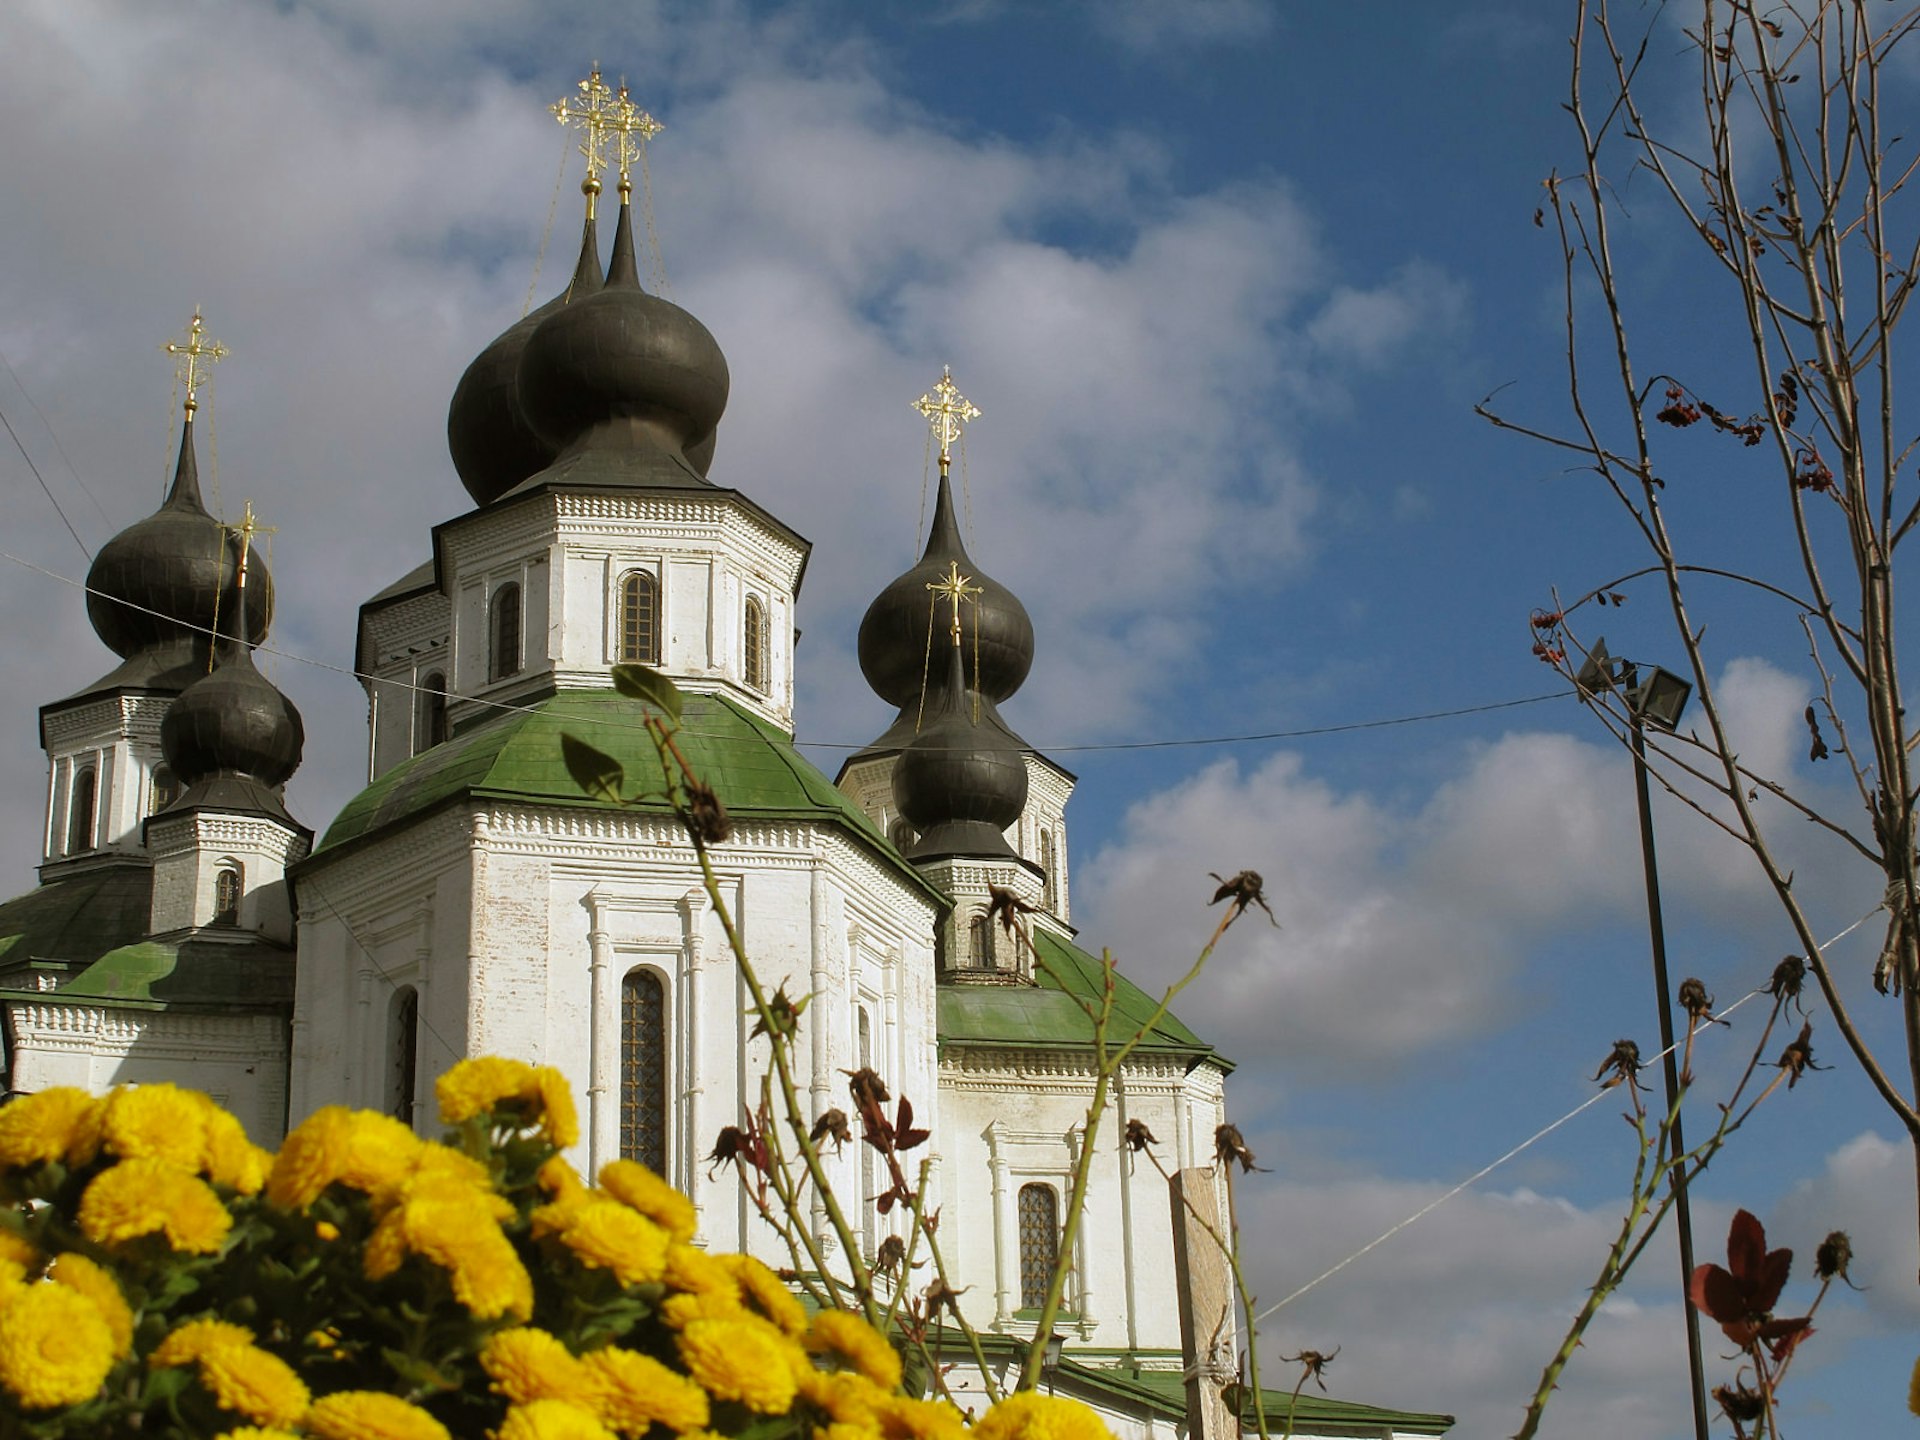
pixel 185 1344
pixel 336 1145
pixel 83 1277
pixel 638 1188
pixel 12 1274
pixel 491 1082
pixel 559 1179
pixel 551 1420
pixel 455 1225
pixel 255 1383
pixel 846 1396
pixel 902 1418
pixel 845 1430
pixel 764 1291
pixel 156 1122
pixel 604 1234
pixel 55 1349
pixel 693 1271
pixel 369 1415
pixel 46 1126
pixel 231 1159
pixel 745 1360
pixel 632 1392
pixel 1029 1416
pixel 256 1432
pixel 140 1197
pixel 858 1343
pixel 16 1247
pixel 531 1364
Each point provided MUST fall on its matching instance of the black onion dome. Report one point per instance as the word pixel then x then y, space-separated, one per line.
pixel 493 447
pixel 233 722
pixel 893 633
pixel 623 361
pixel 172 576
pixel 963 779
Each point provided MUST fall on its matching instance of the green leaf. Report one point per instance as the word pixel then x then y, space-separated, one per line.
pixel 594 771
pixel 643 682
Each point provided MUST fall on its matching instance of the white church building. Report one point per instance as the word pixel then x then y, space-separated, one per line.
pixel 473 900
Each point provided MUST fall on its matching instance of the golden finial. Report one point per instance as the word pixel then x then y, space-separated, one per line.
pixel 193 360
pixel 955 587
pixel 948 411
pixel 246 530
pixel 633 128
pixel 592 113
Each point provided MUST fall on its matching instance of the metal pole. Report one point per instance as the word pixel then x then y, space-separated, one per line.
pixel 1683 1217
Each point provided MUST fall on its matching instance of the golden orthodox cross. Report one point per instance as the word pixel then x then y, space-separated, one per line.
pixel 246 530
pixel 948 412
pixel 194 360
pixel 955 587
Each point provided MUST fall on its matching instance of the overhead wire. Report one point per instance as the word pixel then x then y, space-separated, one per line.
pixel 510 707
pixel 54 435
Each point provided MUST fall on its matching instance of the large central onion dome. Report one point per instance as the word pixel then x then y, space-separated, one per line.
pixel 963 779
pixel 493 447
pixel 171 580
pixel 621 368
pixel 893 633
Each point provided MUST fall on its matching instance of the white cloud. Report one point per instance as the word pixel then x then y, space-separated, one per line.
pixel 1149 25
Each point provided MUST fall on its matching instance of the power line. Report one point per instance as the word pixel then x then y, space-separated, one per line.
pixel 509 707
pixel 48 489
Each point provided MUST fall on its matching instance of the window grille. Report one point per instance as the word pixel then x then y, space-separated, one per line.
pixel 1039 1243
pixel 980 936
pixel 640 619
pixel 80 812
pixel 1046 868
pixel 403 1052
pixel 643 1070
pixel 755 641
pixel 505 658
pixel 226 895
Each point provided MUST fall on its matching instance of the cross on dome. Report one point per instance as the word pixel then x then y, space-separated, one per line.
pixel 605 116
pixel 955 587
pixel 948 412
pixel 194 360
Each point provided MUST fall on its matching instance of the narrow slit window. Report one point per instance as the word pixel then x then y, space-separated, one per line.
pixel 504 659
pixel 755 643
pixel 980 934
pixel 1046 868
pixel 403 1053
pixel 643 1070
pixel 80 816
pixel 227 885
pixel 430 726
pixel 640 619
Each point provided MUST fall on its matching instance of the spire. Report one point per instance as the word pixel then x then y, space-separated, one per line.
pixel 184 493
pixel 622 272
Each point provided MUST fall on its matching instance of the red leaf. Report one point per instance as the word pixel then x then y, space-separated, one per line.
pixel 1717 1295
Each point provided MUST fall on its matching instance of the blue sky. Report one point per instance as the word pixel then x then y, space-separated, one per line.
pixel 1226 280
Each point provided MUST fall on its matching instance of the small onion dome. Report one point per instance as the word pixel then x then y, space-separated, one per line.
pixel 172 576
pixel 963 779
pixel 493 447
pixel 893 633
pixel 623 361
pixel 232 722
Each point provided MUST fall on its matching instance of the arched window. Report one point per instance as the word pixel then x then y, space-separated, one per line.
pixel 80 810
pixel 163 790
pixel 1039 1243
pixel 227 885
pixel 980 941
pixel 430 721
pixel 643 1069
pixel 403 1052
pixel 900 832
pixel 504 659
pixel 754 643
pixel 640 619
pixel 1046 868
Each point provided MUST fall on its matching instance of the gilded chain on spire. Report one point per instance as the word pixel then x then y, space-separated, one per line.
pixel 948 412
pixel 194 360
pixel 591 112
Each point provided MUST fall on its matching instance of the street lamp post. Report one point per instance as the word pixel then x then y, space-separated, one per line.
pixel 1656 697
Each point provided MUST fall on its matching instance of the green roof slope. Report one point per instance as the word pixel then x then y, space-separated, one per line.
pixel 752 766
pixel 1319 1413
pixel 1049 1013
pixel 80 917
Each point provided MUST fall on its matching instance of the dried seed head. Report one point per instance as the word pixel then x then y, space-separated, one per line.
pixel 1228 1146
pixel 706 814
pixel 890 1256
pixel 831 1126
pixel 1788 976
pixel 1139 1136
pixel 1694 998
pixel 1622 1063
pixel 1741 1405
pixel 1830 1261
pixel 867 1087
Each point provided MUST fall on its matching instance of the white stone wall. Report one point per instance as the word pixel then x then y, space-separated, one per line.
pixel 118 736
pixel 401 645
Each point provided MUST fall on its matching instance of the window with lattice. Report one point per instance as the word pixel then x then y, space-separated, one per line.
pixel 504 658
pixel 643 1069
pixel 227 885
pixel 640 619
pixel 1039 1243
pixel 403 1052
pixel 755 641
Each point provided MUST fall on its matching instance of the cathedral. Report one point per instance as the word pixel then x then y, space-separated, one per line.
pixel 473 899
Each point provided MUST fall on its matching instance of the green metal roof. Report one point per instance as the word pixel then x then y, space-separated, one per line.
pixel 78 917
pixel 1319 1413
pixel 752 766
pixel 1049 1015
